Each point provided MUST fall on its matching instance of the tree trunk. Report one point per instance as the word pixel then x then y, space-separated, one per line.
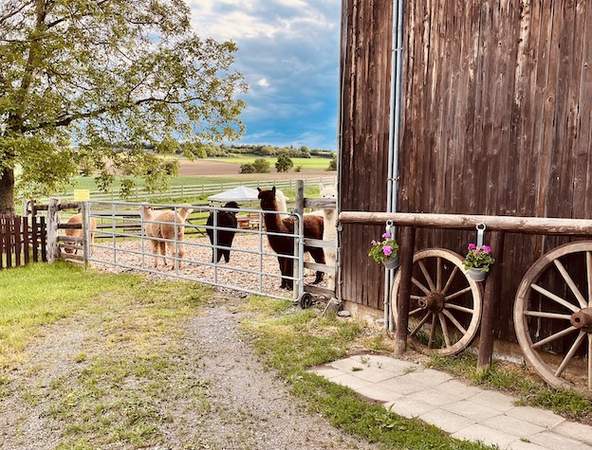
pixel 7 191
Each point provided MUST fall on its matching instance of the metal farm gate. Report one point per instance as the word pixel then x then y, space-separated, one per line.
pixel 220 246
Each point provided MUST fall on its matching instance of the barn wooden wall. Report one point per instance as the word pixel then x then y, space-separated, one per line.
pixel 365 64
pixel 497 120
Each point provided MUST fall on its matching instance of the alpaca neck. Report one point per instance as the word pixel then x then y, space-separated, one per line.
pixel 273 222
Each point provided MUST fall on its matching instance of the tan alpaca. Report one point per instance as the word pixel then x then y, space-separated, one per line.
pixel 330 231
pixel 167 222
pixel 74 233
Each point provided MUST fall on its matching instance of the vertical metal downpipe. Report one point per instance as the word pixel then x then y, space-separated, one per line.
pixel 394 128
pixel 342 58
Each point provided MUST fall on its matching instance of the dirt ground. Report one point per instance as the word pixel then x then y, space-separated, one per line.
pixel 248 407
pixel 197 252
pixel 219 168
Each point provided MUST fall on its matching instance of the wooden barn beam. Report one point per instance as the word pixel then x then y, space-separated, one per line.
pixel 406 259
pixel 526 225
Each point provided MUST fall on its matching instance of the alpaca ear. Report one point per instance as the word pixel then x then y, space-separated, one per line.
pixel 273 190
pixel 258 188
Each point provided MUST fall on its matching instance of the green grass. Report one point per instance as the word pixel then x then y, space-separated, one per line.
pixel 133 375
pixel 291 341
pixel 516 380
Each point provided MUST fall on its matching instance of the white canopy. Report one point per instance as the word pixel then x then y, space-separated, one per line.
pixel 237 194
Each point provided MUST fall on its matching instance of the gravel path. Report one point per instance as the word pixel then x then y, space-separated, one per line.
pixel 197 252
pixel 255 409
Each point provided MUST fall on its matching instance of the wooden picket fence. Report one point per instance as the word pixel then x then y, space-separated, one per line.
pixel 22 240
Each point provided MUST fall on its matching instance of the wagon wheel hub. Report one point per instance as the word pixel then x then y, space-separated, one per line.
pixel 435 302
pixel 582 320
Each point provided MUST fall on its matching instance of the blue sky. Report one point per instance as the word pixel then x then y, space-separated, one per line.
pixel 289 55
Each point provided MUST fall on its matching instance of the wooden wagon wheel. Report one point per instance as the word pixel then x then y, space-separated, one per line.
pixel 565 314
pixel 445 305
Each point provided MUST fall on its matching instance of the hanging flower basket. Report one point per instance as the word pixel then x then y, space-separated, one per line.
pixel 478 261
pixel 385 252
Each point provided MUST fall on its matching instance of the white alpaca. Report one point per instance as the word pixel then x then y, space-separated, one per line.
pixel 330 231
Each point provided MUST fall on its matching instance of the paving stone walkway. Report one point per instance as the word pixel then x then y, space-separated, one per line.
pixel 464 411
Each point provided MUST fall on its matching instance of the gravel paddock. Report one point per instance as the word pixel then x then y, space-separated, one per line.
pixel 127 256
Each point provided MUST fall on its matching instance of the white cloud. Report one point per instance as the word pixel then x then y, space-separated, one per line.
pixel 263 83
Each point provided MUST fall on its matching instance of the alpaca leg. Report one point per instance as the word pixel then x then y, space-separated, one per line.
pixel 282 263
pixel 227 256
pixel 162 246
pixel 289 265
pixel 155 248
pixel 319 256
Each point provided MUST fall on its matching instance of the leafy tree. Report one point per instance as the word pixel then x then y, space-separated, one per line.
pixel 247 168
pixel 333 164
pixel 108 85
pixel 262 165
pixel 283 163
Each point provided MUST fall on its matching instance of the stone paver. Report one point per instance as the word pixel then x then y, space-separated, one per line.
pixel 467 412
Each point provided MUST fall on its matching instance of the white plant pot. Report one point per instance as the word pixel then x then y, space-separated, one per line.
pixel 476 275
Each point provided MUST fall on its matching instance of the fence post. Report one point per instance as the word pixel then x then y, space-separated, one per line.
pixel 53 249
pixel 490 301
pixel 407 248
pixel 84 212
pixel 298 231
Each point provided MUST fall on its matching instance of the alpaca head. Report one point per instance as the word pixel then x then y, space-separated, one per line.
pixel 232 205
pixel 328 191
pixel 267 199
pixel 146 212
pixel 184 212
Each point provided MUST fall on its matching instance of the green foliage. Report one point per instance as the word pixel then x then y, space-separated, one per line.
pixel 247 168
pixel 380 251
pixel 109 86
pixel 261 165
pixel 333 164
pixel 283 163
pixel 478 258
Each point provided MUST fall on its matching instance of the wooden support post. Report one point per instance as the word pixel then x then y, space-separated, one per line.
pixel 53 249
pixel 84 212
pixel 490 301
pixel 406 258
pixel 298 226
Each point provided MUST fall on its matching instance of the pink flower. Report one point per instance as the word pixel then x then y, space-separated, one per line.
pixel 486 249
pixel 386 235
pixel 387 250
pixel 472 246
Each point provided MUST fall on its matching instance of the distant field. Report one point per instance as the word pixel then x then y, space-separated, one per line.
pixel 225 170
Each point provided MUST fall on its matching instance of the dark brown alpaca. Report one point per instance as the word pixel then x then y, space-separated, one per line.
pixel 284 245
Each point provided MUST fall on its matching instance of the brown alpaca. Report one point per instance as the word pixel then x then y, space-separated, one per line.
pixel 167 222
pixel 76 219
pixel 284 245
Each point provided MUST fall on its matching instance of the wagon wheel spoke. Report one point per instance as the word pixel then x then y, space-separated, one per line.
pixel 458 293
pixel 415 311
pixel 416 297
pixel 547 315
pixel 450 279
pixel 554 297
pixel 554 337
pixel 444 329
pixel 455 322
pixel 590 362
pixel 420 286
pixel 432 330
pixel 420 324
pixel 459 308
pixel 589 276
pixel 570 283
pixel 570 354
pixel 439 274
pixel 426 275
